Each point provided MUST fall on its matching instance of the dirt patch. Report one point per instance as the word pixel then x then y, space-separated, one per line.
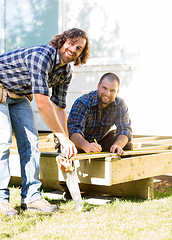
pixel 163 182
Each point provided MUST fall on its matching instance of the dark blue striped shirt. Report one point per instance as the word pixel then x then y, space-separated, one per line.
pixel 87 118
pixel 35 70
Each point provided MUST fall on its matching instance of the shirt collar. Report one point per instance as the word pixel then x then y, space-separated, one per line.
pixel 57 58
pixel 57 62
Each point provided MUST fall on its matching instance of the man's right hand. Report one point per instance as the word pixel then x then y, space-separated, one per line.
pixel 68 147
pixel 92 147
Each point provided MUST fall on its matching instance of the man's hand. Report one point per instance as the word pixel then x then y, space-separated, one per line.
pixel 115 148
pixel 92 147
pixel 68 147
pixel 120 142
pixel 56 120
pixel 83 144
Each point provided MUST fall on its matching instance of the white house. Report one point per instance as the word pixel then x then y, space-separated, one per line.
pixel 130 38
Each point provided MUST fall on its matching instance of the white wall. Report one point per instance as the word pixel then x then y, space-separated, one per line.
pixel 141 31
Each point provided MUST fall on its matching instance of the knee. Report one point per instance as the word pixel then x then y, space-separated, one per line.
pixel 128 146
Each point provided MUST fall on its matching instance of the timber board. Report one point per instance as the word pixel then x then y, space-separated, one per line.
pixel 107 173
pixel 46 142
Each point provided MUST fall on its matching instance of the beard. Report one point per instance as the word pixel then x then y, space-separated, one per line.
pixel 65 58
pixel 104 101
pixel 66 55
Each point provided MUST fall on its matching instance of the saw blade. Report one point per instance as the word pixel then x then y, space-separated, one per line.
pixel 71 180
pixel 73 186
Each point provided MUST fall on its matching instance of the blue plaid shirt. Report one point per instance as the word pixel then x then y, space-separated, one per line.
pixel 87 118
pixel 35 70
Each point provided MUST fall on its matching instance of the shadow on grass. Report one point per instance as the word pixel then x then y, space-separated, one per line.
pixel 163 194
pixel 158 194
pixel 5 236
pixel 87 207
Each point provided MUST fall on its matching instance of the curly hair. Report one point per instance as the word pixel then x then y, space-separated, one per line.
pixel 58 40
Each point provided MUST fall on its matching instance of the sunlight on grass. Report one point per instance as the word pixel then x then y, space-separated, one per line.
pixel 119 219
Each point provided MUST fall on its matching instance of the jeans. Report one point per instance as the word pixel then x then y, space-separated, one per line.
pixel 17 115
pixel 109 139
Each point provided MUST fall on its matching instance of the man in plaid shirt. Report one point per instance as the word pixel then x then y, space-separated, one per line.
pixel 93 115
pixel 29 71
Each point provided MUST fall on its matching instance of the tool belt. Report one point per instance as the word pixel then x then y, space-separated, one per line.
pixel 4 92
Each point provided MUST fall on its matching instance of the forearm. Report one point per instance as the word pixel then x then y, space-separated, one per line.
pixel 118 145
pixel 121 141
pixel 48 113
pixel 50 117
pixel 79 141
pixel 83 144
pixel 61 114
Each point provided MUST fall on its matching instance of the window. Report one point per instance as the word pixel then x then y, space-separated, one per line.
pixel 109 24
pixel 28 22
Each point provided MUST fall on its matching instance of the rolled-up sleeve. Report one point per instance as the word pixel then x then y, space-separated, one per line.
pixel 38 67
pixel 77 118
pixel 122 120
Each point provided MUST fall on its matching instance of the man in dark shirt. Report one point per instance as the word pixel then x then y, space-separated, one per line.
pixel 29 71
pixel 93 115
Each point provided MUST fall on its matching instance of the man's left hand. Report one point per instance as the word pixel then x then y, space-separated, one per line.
pixel 115 148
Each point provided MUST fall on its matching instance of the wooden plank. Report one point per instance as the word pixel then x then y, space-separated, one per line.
pixel 137 139
pixel 141 188
pixel 46 142
pixel 101 155
pixel 92 172
pixel 49 137
pixel 126 153
pixel 16 180
pixel 158 147
pixel 47 149
pixel 112 170
pixel 115 171
pixel 157 142
pixel 140 167
pixel 13 151
pixel 48 168
pixel 51 184
pixel 107 173
pixel 43 146
pixel 145 139
pixel 47 146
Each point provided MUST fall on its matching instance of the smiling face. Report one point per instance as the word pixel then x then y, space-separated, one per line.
pixel 71 50
pixel 107 91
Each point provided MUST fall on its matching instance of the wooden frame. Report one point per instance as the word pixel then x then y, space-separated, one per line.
pixel 107 173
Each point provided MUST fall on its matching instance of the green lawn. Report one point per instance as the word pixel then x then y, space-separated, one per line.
pixel 119 219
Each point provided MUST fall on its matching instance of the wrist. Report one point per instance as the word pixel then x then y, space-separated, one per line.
pixel 60 135
pixel 85 146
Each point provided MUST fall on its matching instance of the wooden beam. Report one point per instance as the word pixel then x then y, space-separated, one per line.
pixel 126 153
pixel 141 188
pixel 135 168
pixel 158 147
pixel 106 173
pixel 83 156
pixel 145 139
pixel 137 139
pixel 157 142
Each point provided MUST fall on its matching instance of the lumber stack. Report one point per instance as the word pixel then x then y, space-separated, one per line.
pixel 107 173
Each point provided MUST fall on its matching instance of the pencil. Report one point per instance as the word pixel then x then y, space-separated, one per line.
pixel 95 141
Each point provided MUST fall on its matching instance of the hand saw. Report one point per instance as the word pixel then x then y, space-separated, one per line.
pixel 68 171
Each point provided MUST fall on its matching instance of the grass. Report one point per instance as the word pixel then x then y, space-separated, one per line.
pixel 119 219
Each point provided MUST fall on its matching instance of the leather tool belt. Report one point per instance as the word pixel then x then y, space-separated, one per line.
pixel 4 92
